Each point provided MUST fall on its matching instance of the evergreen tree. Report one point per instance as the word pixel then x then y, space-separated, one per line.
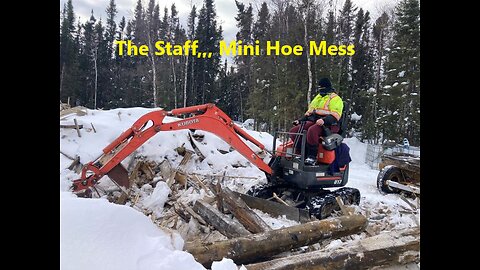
pixel 86 62
pixel 401 98
pixel 206 69
pixel 142 89
pixel 109 95
pixel 189 64
pixel 362 73
pixel 381 80
pixel 152 20
pixel 101 58
pixel 69 70
pixel 330 38
pixel 244 20
pixel 370 120
pixel 261 99
pixel 111 28
pixel 345 34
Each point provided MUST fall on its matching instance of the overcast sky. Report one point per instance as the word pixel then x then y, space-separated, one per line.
pixel 226 9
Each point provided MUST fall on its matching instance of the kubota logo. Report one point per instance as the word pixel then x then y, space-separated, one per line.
pixel 188 122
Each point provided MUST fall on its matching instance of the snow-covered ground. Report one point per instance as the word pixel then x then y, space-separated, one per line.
pixel 97 234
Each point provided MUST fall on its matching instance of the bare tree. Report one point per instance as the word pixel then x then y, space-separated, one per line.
pixel 305 8
pixel 154 71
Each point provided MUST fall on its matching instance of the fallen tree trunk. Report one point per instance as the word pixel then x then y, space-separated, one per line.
pixel 385 249
pixel 263 245
pixel 228 227
pixel 249 219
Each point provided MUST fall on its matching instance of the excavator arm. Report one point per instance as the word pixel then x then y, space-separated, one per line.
pixel 207 117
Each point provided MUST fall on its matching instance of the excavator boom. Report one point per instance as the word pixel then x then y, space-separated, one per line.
pixel 207 117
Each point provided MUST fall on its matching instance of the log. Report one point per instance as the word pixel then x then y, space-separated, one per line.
pixel 385 249
pixel 192 213
pixel 71 126
pixel 67 155
pixel 218 193
pixel 260 246
pixel 94 130
pixel 229 227
pixel 249 219
pixel 77 127
pixel 195 147
pixel 218 197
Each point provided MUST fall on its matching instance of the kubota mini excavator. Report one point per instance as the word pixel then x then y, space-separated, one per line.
pixel 303 186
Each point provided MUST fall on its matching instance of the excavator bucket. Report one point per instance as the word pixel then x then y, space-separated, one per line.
pixel 120 176
pixel 275 209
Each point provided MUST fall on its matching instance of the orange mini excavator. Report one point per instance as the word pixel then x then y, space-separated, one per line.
pixel 304 186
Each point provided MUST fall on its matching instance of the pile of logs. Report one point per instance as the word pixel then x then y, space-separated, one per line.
pixel 220 223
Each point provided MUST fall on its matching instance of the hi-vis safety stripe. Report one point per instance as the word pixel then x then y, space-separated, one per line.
pixel 326 111
pixel 325 107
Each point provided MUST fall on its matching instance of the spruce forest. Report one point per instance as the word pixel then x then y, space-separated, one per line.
pixel 380 82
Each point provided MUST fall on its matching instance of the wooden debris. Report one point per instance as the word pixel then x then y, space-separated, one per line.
pixel 263 245
pixel 226 226
pixel 134 173
pixel 76 166
pixel 345 209
pixel 64 106
pixel 181 150
pixel 199 182
pixel 171 178
pixel 195 147
pixel 192 213
pixel 413 206
pixel 122 199
pixel 147 170
pixel 77 127
pixel 181 178
pixel 250 220
pixel 178 174
pixel 94 130
pixel 186 158
pixel 165 169
pixel 385 249
pixel 218 192
pixel 279 199
pixel 181 212
pixel 413 210
pixel 67 155
pixel 71 126
pixel 79 110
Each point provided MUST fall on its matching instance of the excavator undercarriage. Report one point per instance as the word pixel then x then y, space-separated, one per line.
pixel 288 177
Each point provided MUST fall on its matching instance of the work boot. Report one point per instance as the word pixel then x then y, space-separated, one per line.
pixel 310 161
pixel 312 151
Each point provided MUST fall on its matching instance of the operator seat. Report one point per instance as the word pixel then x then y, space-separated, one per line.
pixel 332 140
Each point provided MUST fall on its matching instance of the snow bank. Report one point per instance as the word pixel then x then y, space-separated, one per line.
pixel 157 199
pixel 95 234
pixel 226 264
